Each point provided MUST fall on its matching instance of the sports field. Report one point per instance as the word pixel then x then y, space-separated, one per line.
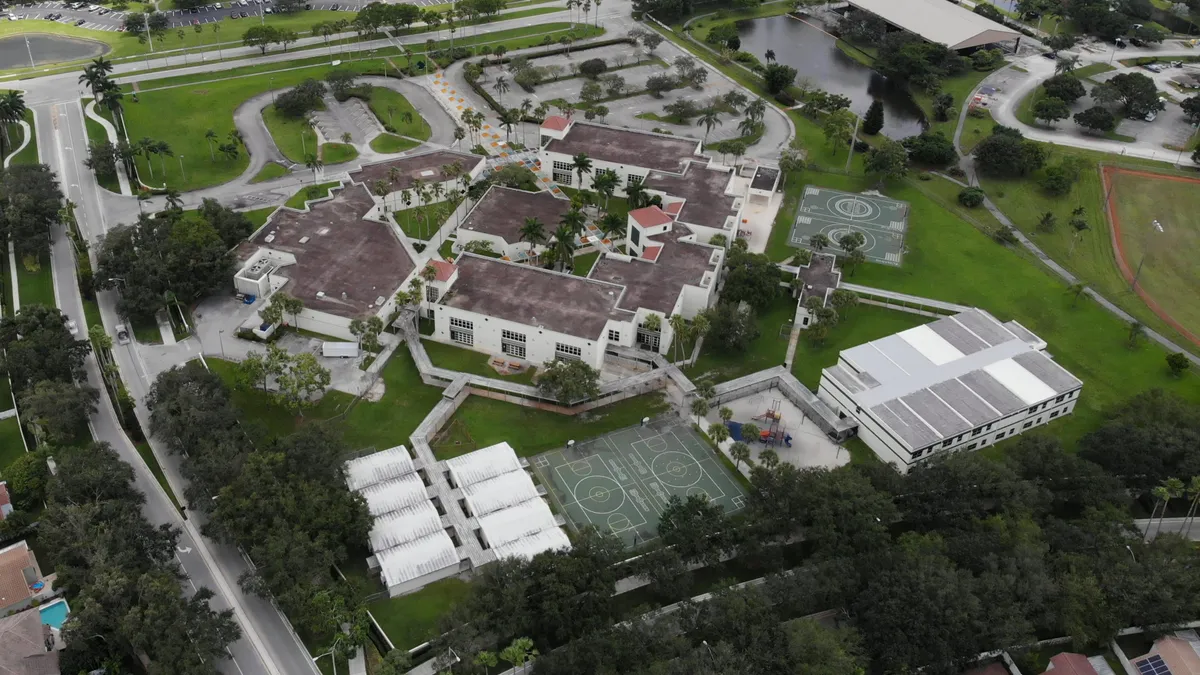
pixel 880 220
pixel 1170 275
pixel 621 482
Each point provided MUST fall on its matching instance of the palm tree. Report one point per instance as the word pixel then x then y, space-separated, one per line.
pixel 635 195
pixel 501 87
pixel 101 65
pixel 747 126
pixel 564 246
pixel 757 110
pixel 709 118
pixel 313 162
pixel 1193 493
pixel 680 327
pixel 605 182
pixel 381 188
pixel 818 242
pixel 211 137
pixel 1076 290
pixel 719 433
pixel 740 452
pixel 508 119
pixel 770 55
pixel 163 150
pixel 111 96
pixel 12 110
pixel 1136 330
pixel 146 147
pixel 92 76
pixel 573 220
pixel 582 165
pixel 534 232
pixel 610 224
pixel 174 200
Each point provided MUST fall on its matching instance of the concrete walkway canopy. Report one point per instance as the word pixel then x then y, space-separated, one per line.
pixel 939 21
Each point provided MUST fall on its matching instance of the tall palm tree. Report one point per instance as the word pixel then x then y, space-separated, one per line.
pixel 146 147
pixel 110 96
pixel 174 200
pixel 1193 493
pixel 770 55
pixel 313 162
pixel 573 220
pixel 679 326
pixel 605 182
pixel 635 194
pixel 508 119
pixel 534 232
pixel 12 110
pixel 163 150
pixel 582 165
pixel 101 65
pixel 92 77
pixel 756 110
pixel 610 224
pixel 709 118
pixel 211 137
pixel 564 246
pixel 818 242
pixel 501 87
pixel 526 108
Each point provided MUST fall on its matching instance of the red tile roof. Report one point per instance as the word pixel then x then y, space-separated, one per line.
pixel 650 216
pixel 651 253
pixel 674 208
pixel 444 269
pixel 556 122
pixel 1068 663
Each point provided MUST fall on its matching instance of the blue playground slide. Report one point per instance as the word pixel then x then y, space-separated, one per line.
pixel 735 430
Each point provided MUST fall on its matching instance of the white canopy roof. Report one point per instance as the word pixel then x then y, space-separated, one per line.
pixel 405 525
pixel 416 558
pixel 395 494
pixel 378 467
pixel 524 520
pixel 483 464
pixel 939 21
pixel 500 492
pixel 527 547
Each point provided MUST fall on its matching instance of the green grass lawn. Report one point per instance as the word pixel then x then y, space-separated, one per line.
pixel 1091 256
pixel 1170 274
pixel 423 222
pixel 11 444
pixel 857 326
pixel 391 143
pixel 467 361
pixel 310 192
pixel 271 170
pixel 951 260
pixel 975 129
pixel 16 135
pixel 584 263
pixel 337 153
pixel 391 420
pixel 255 406
pixel 96 133
pixel 410 620
pixel 960 87
pixel 259 216
pixel 767 350
pixel 6 396
pixel 530 431
pixel 1086 72
pixel 294 137
pixel 391 108
pixel 36 287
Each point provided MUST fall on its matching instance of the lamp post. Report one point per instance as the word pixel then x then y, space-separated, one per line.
pixel 181 173
pixel 272 87
pixel 332 656
pixel 1156 227
pixel 221 337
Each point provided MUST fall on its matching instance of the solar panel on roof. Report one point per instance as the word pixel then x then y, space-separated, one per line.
pixel 1153 665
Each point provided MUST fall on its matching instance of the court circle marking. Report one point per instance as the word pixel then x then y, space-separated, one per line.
pixel 693 491
pixel 854 208
pixel 618 522
pixel 581 467
pixel 835 231
pixel 676 465
pixel 600 491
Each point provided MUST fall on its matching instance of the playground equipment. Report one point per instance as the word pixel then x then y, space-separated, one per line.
pixel 774 434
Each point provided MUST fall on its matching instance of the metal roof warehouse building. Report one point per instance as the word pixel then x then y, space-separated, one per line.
pixel 939 21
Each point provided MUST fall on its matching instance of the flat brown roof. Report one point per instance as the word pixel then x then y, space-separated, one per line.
pixel 426 167
pixel 502 212
pixel 703 188
pixel 563 303
pixel 656 285
pixel 343 254
pixel 626 146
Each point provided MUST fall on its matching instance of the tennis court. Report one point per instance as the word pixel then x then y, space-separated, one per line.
pixel 881 221
pixel 621 482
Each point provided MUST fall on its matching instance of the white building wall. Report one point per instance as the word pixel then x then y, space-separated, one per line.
pixel 893 450
pixel 539 342
pixel 623 171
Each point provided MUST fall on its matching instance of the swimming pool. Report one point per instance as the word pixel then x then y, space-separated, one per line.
pixel 55 613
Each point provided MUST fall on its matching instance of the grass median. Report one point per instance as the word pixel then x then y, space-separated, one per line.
pixel 16 136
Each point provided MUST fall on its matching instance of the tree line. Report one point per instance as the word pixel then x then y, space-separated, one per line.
pixel 964 554
pixel 282 500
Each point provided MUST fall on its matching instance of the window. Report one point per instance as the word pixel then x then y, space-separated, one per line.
pixel 462 336
pixel 513 349
pixel 1000 435
pixel 456 322
pixel 946 443
pixel 513 336
pixel 614 335
pixel 1054 414
pixel 632 179
pixel 972 446
pixel 1039 420
pixel 564 166
pixel 917 454
pixel 567 352
pixel 563 177
pixel 432 293
pixel 988 428
pixel 635 236
pixel 977 431
pixel 1060 399
pixel 1027 425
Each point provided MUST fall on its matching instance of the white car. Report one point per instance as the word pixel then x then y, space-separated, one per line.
pixel 122 334
pixel 73 327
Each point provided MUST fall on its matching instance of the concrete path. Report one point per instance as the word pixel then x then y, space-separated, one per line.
pixel 12 271
pixel 111 132
pixel 25 137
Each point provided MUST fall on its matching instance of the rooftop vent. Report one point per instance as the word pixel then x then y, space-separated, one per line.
pixel 714 258
pixel 323 231
pixel 379 301
pixel 426 173
pixel 343 296
pixel 303 240
pixel 269 238
pixel 320 294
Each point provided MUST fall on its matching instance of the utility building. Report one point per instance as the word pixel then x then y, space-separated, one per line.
pixel 939 21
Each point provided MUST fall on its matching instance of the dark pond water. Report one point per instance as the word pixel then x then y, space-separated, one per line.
pixel 46 49
pixel 817 58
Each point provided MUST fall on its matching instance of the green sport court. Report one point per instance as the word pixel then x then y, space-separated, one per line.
pixel 621 482
pixel 881 221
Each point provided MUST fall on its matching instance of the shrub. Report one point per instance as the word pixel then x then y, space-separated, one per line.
pixel 971 197
pixel 592 68
pixel 785 98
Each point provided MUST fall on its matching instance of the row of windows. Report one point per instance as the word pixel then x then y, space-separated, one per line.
pixel 999 436
pixel 614 335
pixel 565 351
pixel 564 166
pixel 1060 399
pixel 513 349
pixel 512 335
pixel 465 337
pixel 563 177
pixel 456 322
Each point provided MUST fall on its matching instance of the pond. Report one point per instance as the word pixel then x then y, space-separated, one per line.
pixel 815 56
pixel 46 49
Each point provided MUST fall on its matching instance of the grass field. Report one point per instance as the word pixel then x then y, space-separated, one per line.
pixel 975 129
pixel 531 431
pixel 767 350
pixel 271 170
pixel 391 108
pixel 391 143
pixel 1170 275
pixel 960 87
pixel 337 153
pixel 410 620
pixel 391 420
pixel 256 406
pixel 11 445
pixel 467 361
pixel 423 222
pixel 29 155
pixel 36 288
pixel 310 192
pixel 294 137
pixel 584 263
pixel 96 133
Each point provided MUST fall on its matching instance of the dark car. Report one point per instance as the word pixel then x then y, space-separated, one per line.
pixel 1050 55
pixel 335 7
pixel 80 22
pixel 244 15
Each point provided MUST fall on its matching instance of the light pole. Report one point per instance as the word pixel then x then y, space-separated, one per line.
pixel 1131 555
pixel 272 86
pixel 333 648
pixel 710 654
pixel 181 173
pixel 221 337
pixel 1156 227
